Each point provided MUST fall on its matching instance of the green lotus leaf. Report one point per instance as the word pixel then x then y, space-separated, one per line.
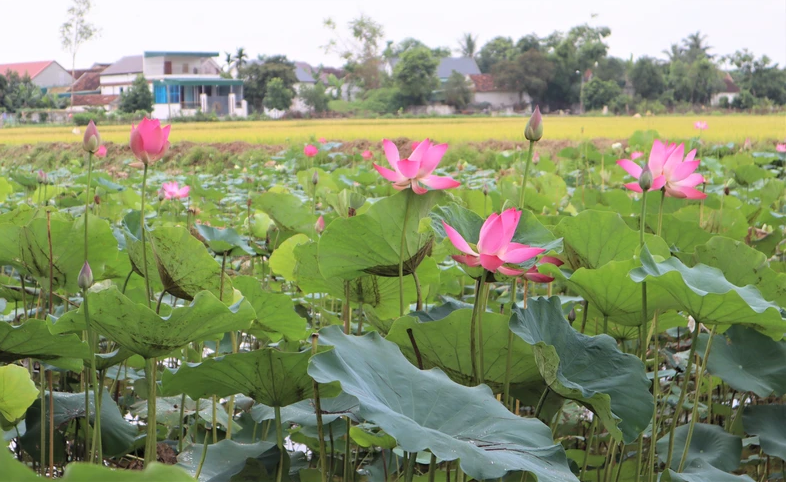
pixel 743 358
pixel 32 339
pixel 705 293
pixel 17 391
pixel 226 459
pixel 185 266
pixel 698 470
pixel 709 443
pixel 132 233
pixel 275 312
pixel 371 242
pixel 426 410
pixel 593 238
pixel 445 344
pixel 768 422
pixel 224 241
pixel 139 329
pixel 590 370
pixel 682 235
pixel 287 211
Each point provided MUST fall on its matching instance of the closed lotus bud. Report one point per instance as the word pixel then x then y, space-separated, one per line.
pixel 645 180
pixel 161 196
pixel 92 140
pixel 534 129
pixel 320 225
pixel 572 315
pixel 97 199
pixel 85 279
pixel 535 158
pixel 485 189
pixel 315 178
pixel 726 190
pixel 41 177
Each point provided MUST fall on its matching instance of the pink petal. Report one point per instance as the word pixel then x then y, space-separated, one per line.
pixel 634 186
pixel 510 221
pixel 391 152
pixel 101 151
pixel 631 167
pixel 635 155
pixel 458 241
pixel 491 235
pixel 510 271
pixel 440 182
pixel 408 168
pixel 551 260
pixel 183 192
pixel 417 188
pixel 519 255
pixel 490 262
pixel 691 180
pixel 392 176
pixel 684 192
pixel 137 144
pixel 420 151
pixel 683 170
pixel 467 259
pixel 431 159
pixel 675 159
pixel 658 183
pixel 538 277
pixel 658 156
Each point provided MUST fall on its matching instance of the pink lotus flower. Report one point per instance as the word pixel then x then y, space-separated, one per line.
pixel 320 225
pixel 149 142
pixel 780 147
pixel 310 151
pixel 101 152
pixel 367 155
pixel 170 190
pixel 417 169
pixel 533 275
pixel 322 140
pixel 669 171
pixel 415 145
pixel 700 125
pixel 494 247
pixel 92 139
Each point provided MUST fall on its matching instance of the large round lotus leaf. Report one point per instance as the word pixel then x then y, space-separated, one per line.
pixel 710 443
pixel 269 376
pixel 681 236
pixel 698 470
pixel 590 370
pixel 747 361
pixel 225 459
pixel 704 293
pixel 275 312
pixel 287 211
pixel 425 410
pixel 133 236
pixel 185 266
pixel 17 391
pixel 14 469
pixel 609 290
pixel 32 339
pixel 768 422
pixel 593 238
pixel 445 344
pixel 225 240
pixel 141 330
pixel 371 242
pixel 26 248
pixel 84 472
pixel 743 265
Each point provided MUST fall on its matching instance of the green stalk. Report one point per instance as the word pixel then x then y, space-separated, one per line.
pixel 409 474
pixel 473 328
pixel 348 471
pixel 683 391
pixel 318 410
pixel 695 411
pixel 541 402
pixel 87 195
pixel 144 247
pixel 593 428
pixel 182 426
pixel 526 175
pixel 280 444
pixel 432 468
pixel 660 210
pixel 642 227
pixel 151 441
pixel 214 420
pixel 509 354
pixel 202 458
pixel 93 381
pixel 401 258
pixel 42 461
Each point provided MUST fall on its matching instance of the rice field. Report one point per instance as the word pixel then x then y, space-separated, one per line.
pixel 721 129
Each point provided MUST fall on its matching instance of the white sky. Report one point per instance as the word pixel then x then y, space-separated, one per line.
pixel 29 30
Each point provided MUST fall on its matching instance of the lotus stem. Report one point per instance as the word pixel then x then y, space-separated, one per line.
pixel 592 429
pixel 526 175
pixel 280 443
pixel 214 420
pixel 473 329
pixel 347 308
pixel 695 411
pixel 683 391
pixel 182 427
pixel 660 210
pixel 87 195
pixel 42 454
pixel 151 441
pixel 409 474
pixel 401 257
pixel 318 412
pixel 509 353
pixel 202 458
pixel 52 426
pixel 432 468
pixel 144 242
pixel 91 343
pixel 541 402
pixel 419 303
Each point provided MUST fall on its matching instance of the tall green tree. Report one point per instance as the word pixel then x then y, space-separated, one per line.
pixel 695 47
pixel 76 31
pixel 758 76
pixel 647 78
pixel 137 98
pixel 529 72
pixel 240 58
pixel 599 93
pixel 277 95
pixel 494 51
pixel 361 51
pixel 257 75
pixel 415 75
pixel 457 91
pixel 468 45
pixel 314 97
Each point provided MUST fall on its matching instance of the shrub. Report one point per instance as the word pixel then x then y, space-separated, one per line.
pixel 84 118
pixel 723 102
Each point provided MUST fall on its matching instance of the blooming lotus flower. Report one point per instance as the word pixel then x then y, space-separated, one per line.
pixel 533 275
pixel 322 140
pixel 92 139
pixel 495 247
pixel 780 147
pixel 670 171
pixel 700 125
pixel 310 151
pixel 417 169
pixel 415 145
pixel 41 177
pixel 367 155
pixel 101 152
pixel 170 190
pixel 149 141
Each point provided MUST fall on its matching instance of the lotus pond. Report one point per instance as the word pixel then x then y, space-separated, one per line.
pixel 401 313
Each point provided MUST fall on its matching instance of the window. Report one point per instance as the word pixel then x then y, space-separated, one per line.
pixel 160 94
pixel 185 68
pixel 174 94
pixel 167 67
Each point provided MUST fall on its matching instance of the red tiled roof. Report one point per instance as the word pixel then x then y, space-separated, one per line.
pixel 88 81
pixel 94 99
pixel 731 87
pixel 30 68
pixel 483 82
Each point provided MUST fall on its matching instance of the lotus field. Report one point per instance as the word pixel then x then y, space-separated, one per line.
pixel 604 314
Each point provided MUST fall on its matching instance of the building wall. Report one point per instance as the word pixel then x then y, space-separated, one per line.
pixel 53 76
pixel 181 65
pixel 163 111
pixel 715 99
pixel 500 100
pixel 111 84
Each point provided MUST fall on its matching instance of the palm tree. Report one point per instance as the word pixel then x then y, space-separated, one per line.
pixel 674 53
pixel 228 61
pixel 241 57
pixel 695 46
pixel 468 45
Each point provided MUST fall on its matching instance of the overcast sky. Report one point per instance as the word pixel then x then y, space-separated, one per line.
pixel 29 30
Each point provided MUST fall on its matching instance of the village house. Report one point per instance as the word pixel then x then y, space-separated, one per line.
pixel 45 74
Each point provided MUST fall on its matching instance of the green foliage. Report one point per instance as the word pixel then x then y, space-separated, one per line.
pixel 647 78
pixel 415 75
pixel 314 97
pixel 599 93
pixel 137 98
pixel 528 72
pixel 457 91
pixel 257 75
pixel 277 95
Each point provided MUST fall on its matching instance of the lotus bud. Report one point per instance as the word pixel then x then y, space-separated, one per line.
pixel 535 159
pixel 97 199
pixel 161 196
pixel 485 189
pixel 41 177
pixel 534 129
pixel 92 140
pixel 645 180
pixel 315 178
pixel 85 279
pixel 320 225
pixel 572 315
